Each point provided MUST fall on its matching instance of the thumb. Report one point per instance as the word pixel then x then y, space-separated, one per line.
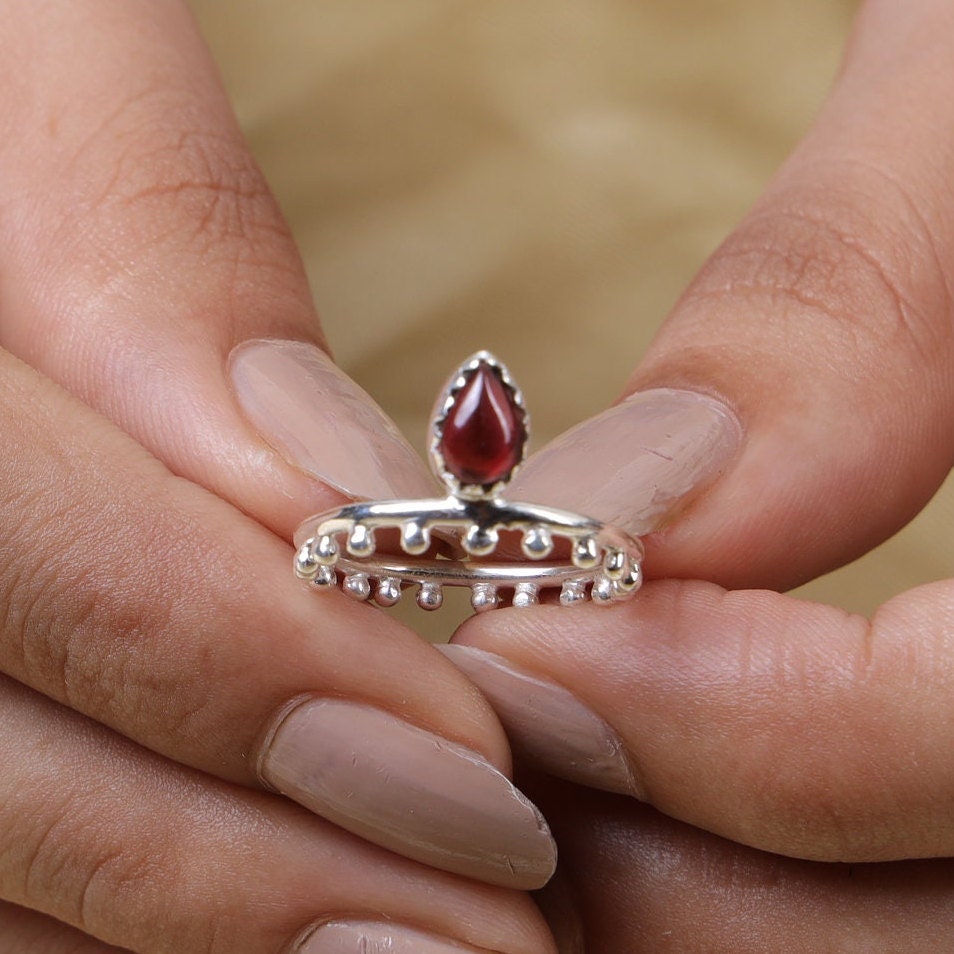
pixel 822 323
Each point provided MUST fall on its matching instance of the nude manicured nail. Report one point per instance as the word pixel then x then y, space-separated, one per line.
pixel 371 937
pixel 636 463
pixel 320 421
pixel 546 723
pixel 409 790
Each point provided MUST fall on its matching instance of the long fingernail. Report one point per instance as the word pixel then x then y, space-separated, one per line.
pixel 320 421
pixel 546 723
pixel 365 937
pixel 636 463
pixel 409 790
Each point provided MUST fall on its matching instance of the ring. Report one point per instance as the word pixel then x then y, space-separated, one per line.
pixel 478 436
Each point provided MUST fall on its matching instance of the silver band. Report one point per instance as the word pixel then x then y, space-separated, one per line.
pixel 449 541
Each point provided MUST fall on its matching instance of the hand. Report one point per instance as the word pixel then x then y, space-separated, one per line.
pixel 777 729
pixel 164 675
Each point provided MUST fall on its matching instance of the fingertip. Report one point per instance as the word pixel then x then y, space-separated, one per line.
pixel 322 422
pixel 548 727
pixel 636 463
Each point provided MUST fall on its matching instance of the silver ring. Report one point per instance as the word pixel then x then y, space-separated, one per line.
pixel 478 437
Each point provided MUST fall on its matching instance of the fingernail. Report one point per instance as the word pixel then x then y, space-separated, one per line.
pixel 546 723
pixel 409 790
pixel 636 463
pixel 375 937
pixel 320 421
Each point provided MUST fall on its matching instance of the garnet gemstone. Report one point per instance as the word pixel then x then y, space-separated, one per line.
pixel 484 432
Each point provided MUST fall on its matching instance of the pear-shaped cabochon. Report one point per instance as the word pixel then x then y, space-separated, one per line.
pixel 484 431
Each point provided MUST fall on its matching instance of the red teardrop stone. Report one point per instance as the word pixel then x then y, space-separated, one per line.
pixel 484 432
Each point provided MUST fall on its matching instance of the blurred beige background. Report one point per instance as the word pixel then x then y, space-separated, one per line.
pixel 540 178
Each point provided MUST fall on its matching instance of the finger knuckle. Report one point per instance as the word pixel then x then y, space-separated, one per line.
pixel 169 180
pixel 840 261
pixel 64 852
pixel 107 877
pixel 199 185
pixel 59 618
pixel 29 587
pixel 75 620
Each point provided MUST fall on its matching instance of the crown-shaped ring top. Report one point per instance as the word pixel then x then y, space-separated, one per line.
pixel 503 550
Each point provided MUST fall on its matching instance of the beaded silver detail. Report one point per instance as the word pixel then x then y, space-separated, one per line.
pixel 506 552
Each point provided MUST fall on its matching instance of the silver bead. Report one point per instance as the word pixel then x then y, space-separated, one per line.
pixel 574 591
pixel 603 591
pixel 484 597
pixel 479 541
pixel 388 591
pixel 327 550
pixel 325 578
pixel 357 586
pixel 415 538
pixel 632 579
pixel 537 543
pixel 360 541
pixel 525 594
pixel 430 596
pixel 586 553
pixel 306 566
pixel 614 563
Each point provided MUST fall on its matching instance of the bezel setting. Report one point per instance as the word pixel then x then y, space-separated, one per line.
pixel 446 402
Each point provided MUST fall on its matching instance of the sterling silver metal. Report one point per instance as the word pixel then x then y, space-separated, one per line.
pixel 448 541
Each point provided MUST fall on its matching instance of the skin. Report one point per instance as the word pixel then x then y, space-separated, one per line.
pixel 775 727
pixel 836 284
pixel 145 664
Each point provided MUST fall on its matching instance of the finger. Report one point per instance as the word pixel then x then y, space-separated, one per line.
pixel 642 883
pixel 32 933
pixel 156 608
pixel 140 244
pixel 179 226
pixel 789 726
pixel 138 852
pixel 167 251
pixel 823 322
